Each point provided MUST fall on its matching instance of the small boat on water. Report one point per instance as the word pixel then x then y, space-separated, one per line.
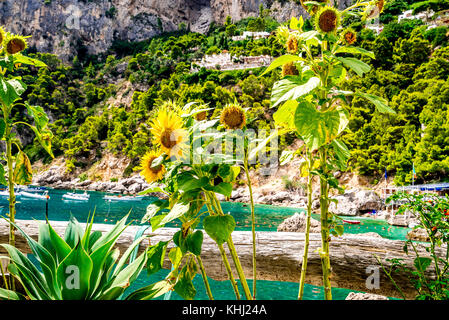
pixel 30 195
pixel 31 189
pixel 76 196
pixel 351 221
pixel 123 198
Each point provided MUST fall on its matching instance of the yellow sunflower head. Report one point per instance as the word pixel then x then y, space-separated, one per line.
pixel 14 44
pixel 327 20
pixel 289 69
pixel 2 35
pixel 349 36
pixel 169 133
pixel 292 44
pixel 151 174
pixel 233 117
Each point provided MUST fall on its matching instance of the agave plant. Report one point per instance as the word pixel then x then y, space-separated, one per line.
pixel 84 265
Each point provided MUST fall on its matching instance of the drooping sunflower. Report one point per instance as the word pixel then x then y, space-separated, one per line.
pixel 200 116
pixel 289 69
pixel 349 36
pixel 292 44
pixel 313 8
pixel 14 44
pixel 233 117
pixel 151 174
pixel 327 20
pixel 169 133
pixel 374 9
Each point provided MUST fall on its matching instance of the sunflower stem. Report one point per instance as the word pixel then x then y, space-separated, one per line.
pixel 204 275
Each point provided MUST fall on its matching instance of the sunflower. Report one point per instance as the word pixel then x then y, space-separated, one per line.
pixel 327 20
pixel 349 36
pixel 2 35
pixel 200 116
pixel 169 133
pixel 313 8
pixel 374 9
pixel 14 44
pixel 151 174
pixel 289 69
pixel 233 117
pixel 292 44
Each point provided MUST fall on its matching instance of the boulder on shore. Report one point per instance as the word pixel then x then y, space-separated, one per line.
pixel 297 223
pixel 356 202
pixel 418 234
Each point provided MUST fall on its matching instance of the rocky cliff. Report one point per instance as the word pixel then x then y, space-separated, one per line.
pixel 62 26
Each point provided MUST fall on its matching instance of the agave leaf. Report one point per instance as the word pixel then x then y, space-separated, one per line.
pixel 127 254
pixel 47 259
pixel 61 247
pixel 10 295
pixel 73 233
pixel 106 237
pixel 73 274
pixel 124 278
pixel 31 277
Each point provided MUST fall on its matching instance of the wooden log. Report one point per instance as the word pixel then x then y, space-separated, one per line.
pixel 278 255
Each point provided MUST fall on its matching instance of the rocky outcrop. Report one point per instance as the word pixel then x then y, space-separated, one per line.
pixel 418 234
pixel 64 26
pixel 354 203
pixel 297 223
pixel 407 219
pixel 364 296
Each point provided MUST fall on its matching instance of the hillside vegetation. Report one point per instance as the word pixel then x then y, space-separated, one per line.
pixel 103 103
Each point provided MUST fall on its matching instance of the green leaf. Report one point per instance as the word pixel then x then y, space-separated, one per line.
pixel 294 23
pixel 152 189
pixel 319 128
pixel 124 278
pixel 19 58
pixel 175 256
pixel 73 274
pixel 156 222
pixel 23 173
pixel 73 232
pixel 279 62
pixel 219 228
pixel 359 67
pixel 152 210
pixel 10 295
pixel 194 242
pixel 341 152
pixel 156 256
pixel 177 211
pixel 11 90
pixel 285 116
pixel 422 263
pixel 184 286
pixel 381 104
pixel 292 88
pixel 150 292
pixel 223 188
pixel 355 50
pixel 2 128
pixel 180 242
pixel 2 176
pixel 339 229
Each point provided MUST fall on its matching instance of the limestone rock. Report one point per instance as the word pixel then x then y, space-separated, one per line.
pixel 356 202
pixel 418 234
pixel 297 223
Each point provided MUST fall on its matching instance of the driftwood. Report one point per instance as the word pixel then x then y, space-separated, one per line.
pixel 278 255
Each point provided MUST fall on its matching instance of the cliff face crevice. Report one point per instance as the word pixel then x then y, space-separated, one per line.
pixel 61 26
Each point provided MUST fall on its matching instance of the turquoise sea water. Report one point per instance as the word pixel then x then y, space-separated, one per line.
pixel 267 219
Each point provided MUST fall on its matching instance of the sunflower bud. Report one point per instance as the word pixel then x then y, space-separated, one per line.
pixel 292 44
pixel 282 34
pixel 313 8
pixel 349 36
pixel 327 20
pixel 289 69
